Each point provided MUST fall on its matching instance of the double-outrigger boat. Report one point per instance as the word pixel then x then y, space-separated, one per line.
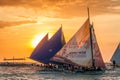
pixel 80 53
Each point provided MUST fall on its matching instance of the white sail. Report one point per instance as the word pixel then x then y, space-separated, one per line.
pixel 116 55
pixel 96 52
pixel 78 50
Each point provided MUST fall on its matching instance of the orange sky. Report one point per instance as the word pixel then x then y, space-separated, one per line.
pixel 22 20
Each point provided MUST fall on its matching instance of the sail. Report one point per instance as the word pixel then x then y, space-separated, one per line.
pixel 96 52
pixel 51 47
pixel 35 53
pixel 116 55
pixel 78 50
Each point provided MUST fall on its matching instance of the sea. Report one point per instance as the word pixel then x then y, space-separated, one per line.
pixel 35 73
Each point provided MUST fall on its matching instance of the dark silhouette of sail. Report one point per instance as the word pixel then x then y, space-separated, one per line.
pixel 36 50
pixel 50 48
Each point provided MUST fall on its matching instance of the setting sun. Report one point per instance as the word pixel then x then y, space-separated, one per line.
pixel 36 40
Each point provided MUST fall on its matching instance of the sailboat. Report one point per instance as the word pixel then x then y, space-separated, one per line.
pixel 82 49
pixel 47 48
pixel 116 56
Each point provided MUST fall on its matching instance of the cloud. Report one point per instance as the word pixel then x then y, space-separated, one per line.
pixel 66 8
pixel 14 23
pixel 13 2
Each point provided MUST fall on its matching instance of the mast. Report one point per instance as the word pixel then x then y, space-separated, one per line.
pixel 61 25
pixel 91 26
pixel 62 37
pixel 88 14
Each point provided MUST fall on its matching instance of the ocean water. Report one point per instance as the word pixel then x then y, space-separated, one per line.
pixel 34 73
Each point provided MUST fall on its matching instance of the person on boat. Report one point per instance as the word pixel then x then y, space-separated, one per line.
pixel 83 69
pixel 94 64
pixel 114 63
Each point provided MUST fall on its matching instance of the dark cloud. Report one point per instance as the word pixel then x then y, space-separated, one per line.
pixel 14 2
pixel 8 24
pixel 67 8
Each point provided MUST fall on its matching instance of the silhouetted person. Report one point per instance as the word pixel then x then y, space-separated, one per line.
pixel 114 63
pixel 94 64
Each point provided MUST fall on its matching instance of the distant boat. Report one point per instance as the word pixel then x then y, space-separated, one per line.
pixel 81 50
pixel 12 62
pixel 9 59
pixel 116 56
pixel 46 49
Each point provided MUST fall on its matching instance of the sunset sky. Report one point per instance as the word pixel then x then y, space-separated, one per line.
pixel 22 21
